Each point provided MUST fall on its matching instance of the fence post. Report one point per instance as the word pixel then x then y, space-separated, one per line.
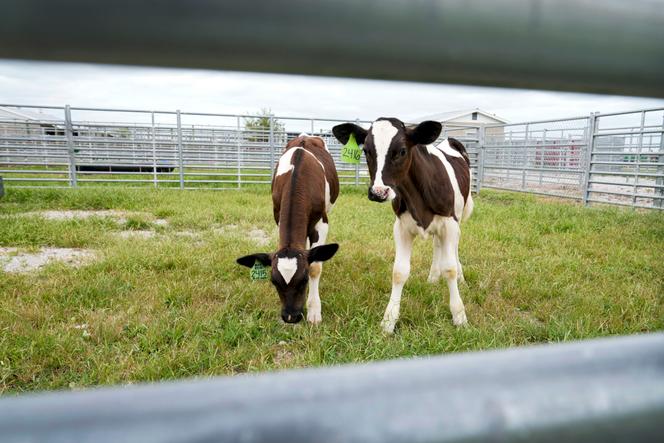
pixel 659 180
pixel 480 158
pixel 542 156
pixel 357 166
pixel 71 153
pixel 590 142
pixel 154 152
pixel 180 154
pixel 239 154
pixel 271 143
pixel 524 158
pixel 637 165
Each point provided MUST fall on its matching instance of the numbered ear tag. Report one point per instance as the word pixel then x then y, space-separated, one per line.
pixel 351 152
pixel 258 271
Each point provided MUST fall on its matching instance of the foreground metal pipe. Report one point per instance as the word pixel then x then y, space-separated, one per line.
pixel 596 390
pixel 611 46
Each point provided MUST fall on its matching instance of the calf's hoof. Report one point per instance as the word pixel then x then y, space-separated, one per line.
pixel 388 326
pixel 314 317
pixel 390 318
pixel 459 319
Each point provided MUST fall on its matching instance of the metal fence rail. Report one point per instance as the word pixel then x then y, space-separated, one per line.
pixel 544 157
pixel 613 158
pixel 591 391
pixel 626 165
pixel 71 146
pixel 613 48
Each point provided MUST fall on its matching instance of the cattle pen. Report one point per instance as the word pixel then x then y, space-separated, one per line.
pixel 607 158
pixel 149 291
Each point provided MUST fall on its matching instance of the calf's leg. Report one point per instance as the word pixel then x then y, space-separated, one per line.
pixel 450 269
pixel 404 246
pixel 314 315
pixel 437 262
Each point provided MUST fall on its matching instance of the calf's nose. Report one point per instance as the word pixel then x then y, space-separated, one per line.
pixel 292 317
pixel 379 193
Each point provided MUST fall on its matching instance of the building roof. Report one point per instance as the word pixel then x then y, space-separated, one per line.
pixel 452 115
pixel 7 113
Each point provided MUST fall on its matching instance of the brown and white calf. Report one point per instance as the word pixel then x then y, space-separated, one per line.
pixel 304 188
pixel 429 187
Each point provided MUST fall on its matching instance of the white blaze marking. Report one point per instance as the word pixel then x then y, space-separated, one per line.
pixel 449 150
pixel 322 229
pixel 383 132
pixel 328 198
pixel 287 268
pixel 458 198
pixel 285 160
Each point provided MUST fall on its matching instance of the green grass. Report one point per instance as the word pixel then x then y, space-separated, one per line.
pixel 41 176
pixel 173 306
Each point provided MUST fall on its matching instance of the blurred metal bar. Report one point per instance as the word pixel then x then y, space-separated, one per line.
pixel 590 391
pixel 609 47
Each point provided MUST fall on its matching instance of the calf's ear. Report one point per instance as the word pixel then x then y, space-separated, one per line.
pixel 425 133
pixel 249 260
pixel 342 133
pixel 322 252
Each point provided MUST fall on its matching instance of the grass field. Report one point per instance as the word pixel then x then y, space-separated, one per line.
pixel 176 304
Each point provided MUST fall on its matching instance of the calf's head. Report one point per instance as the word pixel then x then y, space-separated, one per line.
pixel 290 274
pixel 388 146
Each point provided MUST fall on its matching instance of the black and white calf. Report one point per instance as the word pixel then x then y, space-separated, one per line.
pixel 304 188
pixel 429 187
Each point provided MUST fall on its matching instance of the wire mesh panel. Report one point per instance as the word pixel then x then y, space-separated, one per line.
pixel 544 157
pixel 627 161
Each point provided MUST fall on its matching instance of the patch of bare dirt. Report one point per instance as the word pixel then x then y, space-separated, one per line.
pixel 253 234
pixel 259 237
pixel 187 234
pixel 119 216
pixel 14 261
pixel 282 356
pixel 136 234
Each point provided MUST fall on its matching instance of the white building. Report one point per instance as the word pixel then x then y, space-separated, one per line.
pixel 464 123
pixel 474 117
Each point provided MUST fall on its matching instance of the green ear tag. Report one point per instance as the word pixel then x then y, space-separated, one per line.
pixel 258 271
pixel 351 153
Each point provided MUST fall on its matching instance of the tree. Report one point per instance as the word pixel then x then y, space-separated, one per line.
pixel 259 127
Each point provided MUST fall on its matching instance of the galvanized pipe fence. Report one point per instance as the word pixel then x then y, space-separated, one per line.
pixel 602 390
pixel 614 158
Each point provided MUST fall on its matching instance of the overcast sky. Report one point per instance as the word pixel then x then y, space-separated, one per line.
pixel 41 83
